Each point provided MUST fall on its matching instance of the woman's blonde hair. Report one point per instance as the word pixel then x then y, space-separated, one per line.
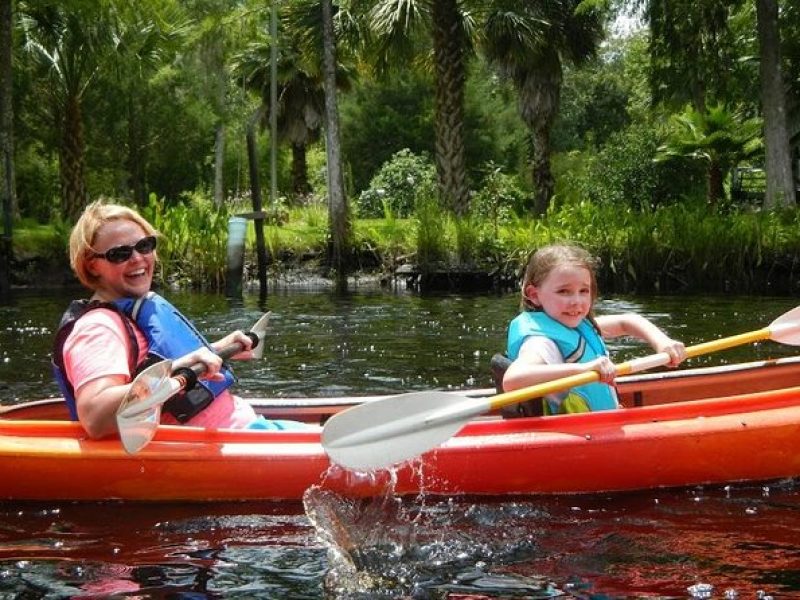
pixel 547 258
pixel 82 238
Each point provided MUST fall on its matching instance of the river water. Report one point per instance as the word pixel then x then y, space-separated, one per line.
pixel 726 542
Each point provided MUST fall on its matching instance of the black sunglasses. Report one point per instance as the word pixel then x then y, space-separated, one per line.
pixel 119 254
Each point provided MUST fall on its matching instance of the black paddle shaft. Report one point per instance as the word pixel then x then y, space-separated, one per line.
pixel 188 375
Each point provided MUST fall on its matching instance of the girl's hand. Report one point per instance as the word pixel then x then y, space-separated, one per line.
pixel 676 351
pixel 236 337
pixel 606 369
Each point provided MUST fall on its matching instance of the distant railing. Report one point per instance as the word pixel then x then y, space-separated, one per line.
pixel 748 184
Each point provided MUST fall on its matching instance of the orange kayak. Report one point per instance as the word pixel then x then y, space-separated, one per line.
pixel 716 425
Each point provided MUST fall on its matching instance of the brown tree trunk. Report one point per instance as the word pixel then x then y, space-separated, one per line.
pixel 780 184
pixel 7 186
pixel 543 182
pixel 8 189
pixel 338 214
pixel 255 192
pixel 448 51
pixel 300 184
pixel 72 161
pixel 715 183
pixel 539 97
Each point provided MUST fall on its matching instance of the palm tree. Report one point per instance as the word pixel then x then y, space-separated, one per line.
pixel 338 213
pixel 717 136
pixel 66 43
pixel 529 42
pixel 397 24
pixel 301 100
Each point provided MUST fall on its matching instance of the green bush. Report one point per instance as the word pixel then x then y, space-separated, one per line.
pixel 396 186
pixel 623 173
pixel 501 196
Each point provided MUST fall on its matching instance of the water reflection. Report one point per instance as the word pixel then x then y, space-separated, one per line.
pixel 655 544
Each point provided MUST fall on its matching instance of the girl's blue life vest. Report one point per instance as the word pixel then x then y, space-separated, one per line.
pixel 579 345
pixel 169 335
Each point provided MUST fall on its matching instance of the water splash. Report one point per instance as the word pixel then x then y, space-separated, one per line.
pixel 393 547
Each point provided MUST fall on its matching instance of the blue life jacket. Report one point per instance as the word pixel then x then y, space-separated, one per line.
pixel 169 335
pixel 579 345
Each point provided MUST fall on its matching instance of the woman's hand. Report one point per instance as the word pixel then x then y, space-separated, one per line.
pixel 676 351
pixel 238 337
pixel 604 367
pixel 212 362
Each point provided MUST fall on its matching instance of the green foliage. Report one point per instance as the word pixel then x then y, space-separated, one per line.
pixel 431 241
pixel 390 240
pixel 37 183
pixel 32 239
pixel 673 248
pixel 192 248
pixel 594 104
pixel 623 173
pixel 380 118
pixel 500 197
pixel 396 185
pixel 719 135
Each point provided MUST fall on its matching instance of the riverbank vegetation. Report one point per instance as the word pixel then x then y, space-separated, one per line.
pixel 656 147
pixel 670 249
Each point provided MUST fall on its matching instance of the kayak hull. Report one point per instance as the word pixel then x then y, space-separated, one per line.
pixel 743 437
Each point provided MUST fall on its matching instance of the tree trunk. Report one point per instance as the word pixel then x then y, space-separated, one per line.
pixel 780 184
pixel 219 172
pixel 715 183
pixel 448 52
pixel 255 193
pixel 543 183
pixel 300 184
pixel 72 163
pixel 8 189
pixel 539 97
pixel 339 219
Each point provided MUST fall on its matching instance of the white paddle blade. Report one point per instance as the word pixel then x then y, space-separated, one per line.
pixel 786 328
pixel 140 411
pixel 260 329
pixel 382 433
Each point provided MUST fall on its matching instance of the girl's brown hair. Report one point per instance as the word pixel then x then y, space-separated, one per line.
pixel 81 239
pixel 547 258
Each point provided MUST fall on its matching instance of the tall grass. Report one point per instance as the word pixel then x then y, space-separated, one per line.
pixel 192 248
pixel 674 248
pixel 680 247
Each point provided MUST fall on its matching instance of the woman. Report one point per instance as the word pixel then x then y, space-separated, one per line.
pixel 102 343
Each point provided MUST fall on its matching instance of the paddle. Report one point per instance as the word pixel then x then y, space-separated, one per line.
pixel 140 411
pixel 381 433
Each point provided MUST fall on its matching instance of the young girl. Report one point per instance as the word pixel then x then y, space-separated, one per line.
pixel 556 335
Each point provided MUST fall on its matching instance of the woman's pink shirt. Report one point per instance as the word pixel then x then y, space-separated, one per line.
pixel 98 346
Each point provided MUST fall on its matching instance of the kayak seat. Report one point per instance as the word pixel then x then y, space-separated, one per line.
pixel 498 364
